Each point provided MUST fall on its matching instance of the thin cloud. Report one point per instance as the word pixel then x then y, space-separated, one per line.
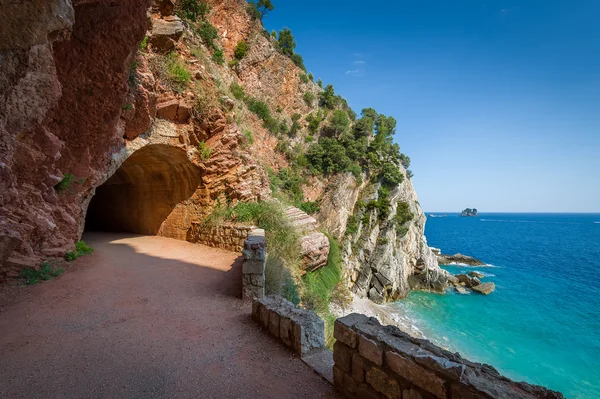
pixel 358 55
pixel 359 62
pixel 354 72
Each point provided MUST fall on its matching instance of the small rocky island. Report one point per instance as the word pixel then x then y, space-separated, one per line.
pixel 469 212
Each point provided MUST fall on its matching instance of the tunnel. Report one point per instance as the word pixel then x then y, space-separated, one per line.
pixel 143 192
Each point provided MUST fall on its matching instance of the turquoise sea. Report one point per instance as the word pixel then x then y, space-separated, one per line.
pixel 542 324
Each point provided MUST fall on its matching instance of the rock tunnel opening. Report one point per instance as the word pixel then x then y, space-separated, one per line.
pixel 144 192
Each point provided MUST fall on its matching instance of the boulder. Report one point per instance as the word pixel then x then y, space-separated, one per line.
pixel 476 274
pixel 467 281
pixel 485 288
pixel 315 250
pixel 461 290
pixel 165 33
pixel 167 109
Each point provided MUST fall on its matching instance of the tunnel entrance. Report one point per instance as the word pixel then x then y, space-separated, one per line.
pixel 143 192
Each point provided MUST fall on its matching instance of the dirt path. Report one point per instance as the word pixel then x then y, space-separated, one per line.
pixel 145 317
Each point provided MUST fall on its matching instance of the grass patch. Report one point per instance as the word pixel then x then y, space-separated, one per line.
pixel 81 249
pixel 172 71
pixel 45 272
pixel 204 151
pixel 323 286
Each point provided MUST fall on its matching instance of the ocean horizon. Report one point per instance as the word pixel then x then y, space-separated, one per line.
pixel 542 323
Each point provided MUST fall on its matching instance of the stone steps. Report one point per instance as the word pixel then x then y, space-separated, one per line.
pixel 315 245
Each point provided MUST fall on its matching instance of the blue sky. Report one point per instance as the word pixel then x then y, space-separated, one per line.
pixel 497 102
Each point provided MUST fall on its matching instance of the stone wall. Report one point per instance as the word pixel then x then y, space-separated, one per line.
pixel 226 236
pixel 255 261
pixel 373 361
pixel 299 329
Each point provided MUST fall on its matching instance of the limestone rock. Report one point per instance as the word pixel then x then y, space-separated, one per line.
pixel 485 288
pixel 387 261
pixel 476 274
pixel 315 250
pixel 165 33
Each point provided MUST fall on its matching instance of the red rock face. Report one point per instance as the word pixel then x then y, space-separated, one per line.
pixel 60 105
pixel 70 110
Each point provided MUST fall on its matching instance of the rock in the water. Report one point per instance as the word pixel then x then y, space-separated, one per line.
pixel 484 288
pixel 476 274
pixel 458 259
pixel 461 290
pixel 467 281
pixel 165 33
pixel 469 212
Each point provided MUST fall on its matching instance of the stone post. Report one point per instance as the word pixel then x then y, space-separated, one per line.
pixel 255 255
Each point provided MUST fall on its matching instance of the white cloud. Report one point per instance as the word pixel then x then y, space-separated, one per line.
pixel 359 62
pixel 354 72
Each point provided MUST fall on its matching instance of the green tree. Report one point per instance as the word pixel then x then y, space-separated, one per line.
pixel 286 41
pixel 192 9
pixel 364 127
pixel 327 97
pixel 264 7
pixel 339 122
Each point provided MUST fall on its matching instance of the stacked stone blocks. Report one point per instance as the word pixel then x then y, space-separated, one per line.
pixel 227 236
pixel 373 361
pixel 299 329
pixel 253 270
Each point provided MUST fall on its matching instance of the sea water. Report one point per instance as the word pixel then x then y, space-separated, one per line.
pixel 542 324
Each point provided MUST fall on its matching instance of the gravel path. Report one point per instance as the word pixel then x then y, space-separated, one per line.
pixel 145 317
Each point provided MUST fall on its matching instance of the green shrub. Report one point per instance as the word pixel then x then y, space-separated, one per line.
pixel 192 9
pixel 237 91
pixel 259 108
pixel 409 174
pixel 218 56
pixel 288 181
pixel 320 83
pixel 311 77
pixel 81 249
pixel 382 204
pixel 403 214
pixel 304 78
pixel 204 151
pixel 309 98
pixel 299 61
pixel 208 33
pixel 352 225
pixel 309 207
pixel 45 272
pixel 240 50
pixel 65 183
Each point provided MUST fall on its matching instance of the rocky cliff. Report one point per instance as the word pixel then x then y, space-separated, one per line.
pixel 123 116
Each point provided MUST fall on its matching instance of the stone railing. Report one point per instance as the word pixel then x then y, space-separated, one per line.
pixel 255 260
pixel 299 329
pixel 226 236
pixel 373 361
